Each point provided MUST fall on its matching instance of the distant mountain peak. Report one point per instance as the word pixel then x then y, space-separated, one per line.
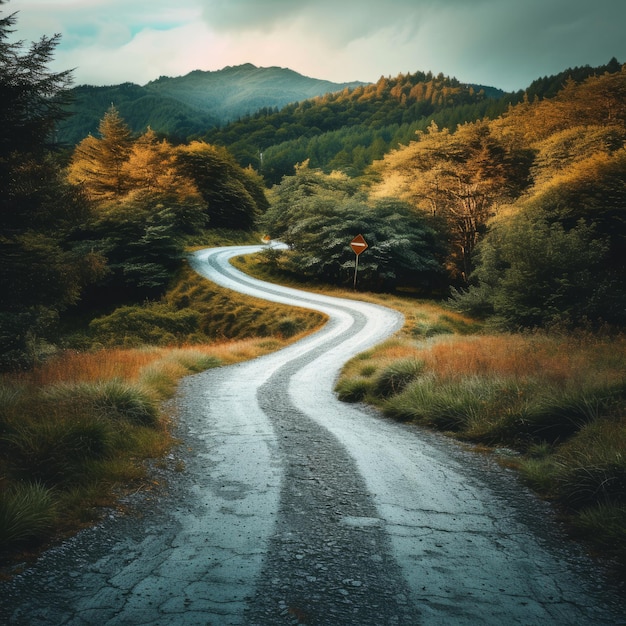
pixel 191 104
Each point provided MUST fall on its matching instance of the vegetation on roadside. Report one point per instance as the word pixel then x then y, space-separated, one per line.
pixel 195 311
pixel 81 430
pixel 553 406
pixel 78 429
pixel 75 432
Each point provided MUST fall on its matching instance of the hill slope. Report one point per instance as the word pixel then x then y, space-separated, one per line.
pixel 187 105
pixel 348 129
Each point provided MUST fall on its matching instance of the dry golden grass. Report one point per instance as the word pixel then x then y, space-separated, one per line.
pixel 554 360
pixel 129 364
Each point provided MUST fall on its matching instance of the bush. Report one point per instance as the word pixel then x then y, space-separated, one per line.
pixel 452 406
pixel 27 512
pixel 605 526
pixel 353 390
pixel 54 451
pixel 557 416
pixel 594 466
pixel 288 327
pixel 111 400
pixel 395 377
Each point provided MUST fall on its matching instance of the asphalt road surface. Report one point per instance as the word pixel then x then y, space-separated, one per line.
pixel 297 509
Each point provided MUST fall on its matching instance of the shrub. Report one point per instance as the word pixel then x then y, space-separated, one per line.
pixel 353 389
pixel 395 377
pixel 53 451
pixel 594 466
pixel 127 402
pixel 538 474
pixel 155 324
pixel 113 400
pixel 552 415
pixel 27 511
pixel 605 526
pixel 449 406
pixel 288 327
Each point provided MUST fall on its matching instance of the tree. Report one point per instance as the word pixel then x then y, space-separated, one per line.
pixel 459 177
pixel 560 151
pixel 318 215
pixel 234 196
pixel 32 99
pixel 139 239
pixel 291 199
pixel 558 255
pixel 140 225
pixel 42 267
pixel 537 274
pixel 99 164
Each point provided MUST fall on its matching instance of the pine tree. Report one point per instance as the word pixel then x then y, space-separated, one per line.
pixel 41 270
pixel 99 163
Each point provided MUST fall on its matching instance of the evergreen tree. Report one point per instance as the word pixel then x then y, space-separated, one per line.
pixel 99 163
pixel 42 267
pixel 234 196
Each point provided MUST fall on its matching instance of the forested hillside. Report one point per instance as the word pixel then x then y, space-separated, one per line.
pixel 528 209
pixel 186 106
pixel 508 207
pixel 348 129
pixel 451 205
pixel 107 230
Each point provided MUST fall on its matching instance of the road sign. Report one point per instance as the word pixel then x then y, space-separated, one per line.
pixel 358 244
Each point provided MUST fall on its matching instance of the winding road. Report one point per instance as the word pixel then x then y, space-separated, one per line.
pixel 297 509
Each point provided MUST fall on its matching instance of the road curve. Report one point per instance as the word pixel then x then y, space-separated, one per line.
pixel 297 509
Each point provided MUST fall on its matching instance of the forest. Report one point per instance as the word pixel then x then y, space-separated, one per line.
pixel 506 208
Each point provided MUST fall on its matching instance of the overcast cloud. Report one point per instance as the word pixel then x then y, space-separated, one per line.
pixel 504 43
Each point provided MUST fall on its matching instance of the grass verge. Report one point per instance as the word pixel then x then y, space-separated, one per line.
pixel 76 432
pixel 558 401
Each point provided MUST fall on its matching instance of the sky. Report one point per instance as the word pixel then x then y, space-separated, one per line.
pixel 499 43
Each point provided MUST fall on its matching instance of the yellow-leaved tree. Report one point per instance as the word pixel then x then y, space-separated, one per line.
pixel 99 164
pixel 459 178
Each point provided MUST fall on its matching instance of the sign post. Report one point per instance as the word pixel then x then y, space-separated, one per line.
pixel 358 245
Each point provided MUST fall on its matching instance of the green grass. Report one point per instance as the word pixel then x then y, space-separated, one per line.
pixel 77 430
pixel 353 390
pixel 396 376
pixel 67 448
pixel 27 511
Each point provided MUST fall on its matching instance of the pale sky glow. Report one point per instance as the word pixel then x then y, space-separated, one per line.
pixel 502 43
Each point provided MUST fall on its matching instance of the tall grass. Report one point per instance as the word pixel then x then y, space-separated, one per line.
pixel 27 511
pixel 513 389
pixel 80 426
pixel 559 400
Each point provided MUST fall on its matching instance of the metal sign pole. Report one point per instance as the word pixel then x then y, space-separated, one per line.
pixel 356 268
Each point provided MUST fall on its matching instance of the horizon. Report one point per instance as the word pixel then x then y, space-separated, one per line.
pixel 246 64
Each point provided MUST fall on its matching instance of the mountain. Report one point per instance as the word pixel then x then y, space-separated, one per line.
pixel 244 89
pixel 189 105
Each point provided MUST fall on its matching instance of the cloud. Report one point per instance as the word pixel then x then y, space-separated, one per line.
pixel 336 21
pixel 504 43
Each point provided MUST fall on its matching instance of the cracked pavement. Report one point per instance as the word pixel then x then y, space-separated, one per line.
pixel 297 509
